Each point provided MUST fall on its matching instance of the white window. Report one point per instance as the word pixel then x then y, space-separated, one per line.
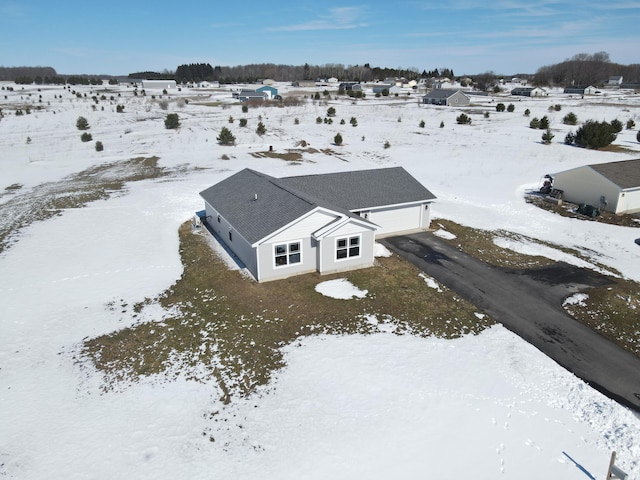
pixel 287 254
pixel 347 247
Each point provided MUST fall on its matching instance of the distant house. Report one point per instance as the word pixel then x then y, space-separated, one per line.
pixel 246 95
pixel 381 87
pixel 158 84
pixel 280 227
pixel 614 81
pixel 303 83
pixel 270 91
pixel 350 86
pixel 529 92
pixel 613 186
pixel 268 81
pixel 448 97
pixel 590 90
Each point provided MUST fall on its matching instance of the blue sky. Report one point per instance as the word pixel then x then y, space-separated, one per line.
pixel 505 36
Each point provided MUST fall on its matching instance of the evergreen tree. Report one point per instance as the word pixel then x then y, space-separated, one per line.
pixel 595 134
pixel 547 136
pixel 261 130
pixel 337 139
pixel 226 137
pixel 82 123
pixel 172 121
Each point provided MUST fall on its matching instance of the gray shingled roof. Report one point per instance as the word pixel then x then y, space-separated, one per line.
pixel 625 173
pixel 442 93
pixel 281 201
pixel 362 189
pixel 274 208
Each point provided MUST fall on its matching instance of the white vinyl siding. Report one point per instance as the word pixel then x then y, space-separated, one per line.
pixel 396 220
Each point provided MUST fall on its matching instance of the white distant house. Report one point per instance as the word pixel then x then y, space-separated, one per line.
pixel 280 227
pixel 529 92
pixel 613 186
pixel 159 84
pixel 590 90
pixel 614 81
pixel 446 96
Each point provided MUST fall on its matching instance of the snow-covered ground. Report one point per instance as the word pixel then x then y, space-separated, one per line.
pixel 379 406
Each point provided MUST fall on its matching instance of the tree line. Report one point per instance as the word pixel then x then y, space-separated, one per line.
pixel 585 69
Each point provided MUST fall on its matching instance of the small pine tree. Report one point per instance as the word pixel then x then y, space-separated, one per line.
pixel 421 124
pixel 99 146
pixel 570 119
pixel 226 137
pixel 442 124
pixel 119 108
pixel 511 107
pixel 463 119
pixel 630 124
pixel 296 121
pixel 638 136
pixel 230 119
pixel 337 139
pixel 261 129
pixel 500 107
pixel 486 114
pixel 353 122
pixel 82 123
pixel 544 123
pixel 318 119
pixel 527 112
pixel 243 122
pixel 547 136
pixel 172 121
pixel 534 123
pixel 331 112
pixel 86 137
pixel 342 122
pixel 245 108
pixel 570 138
pixel 387 144
pixel 595 134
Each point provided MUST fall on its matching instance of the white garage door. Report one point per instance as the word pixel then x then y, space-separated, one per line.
pixel 392 220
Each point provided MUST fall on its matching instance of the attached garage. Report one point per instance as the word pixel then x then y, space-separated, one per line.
pixel 613 186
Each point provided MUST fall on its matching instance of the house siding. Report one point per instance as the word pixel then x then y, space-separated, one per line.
pixel 242 249
pixel 267 269
pixel 400 219
pixel 327 261
pixel 584 185
pixel 629 201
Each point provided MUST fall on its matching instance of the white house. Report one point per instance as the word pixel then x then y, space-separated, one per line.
pixel 280 227
pixel 158 84
pixel 613 186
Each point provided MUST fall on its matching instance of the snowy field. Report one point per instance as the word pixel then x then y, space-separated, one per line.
pixel 380 406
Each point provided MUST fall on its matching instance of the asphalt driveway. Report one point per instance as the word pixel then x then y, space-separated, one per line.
pixel 529 303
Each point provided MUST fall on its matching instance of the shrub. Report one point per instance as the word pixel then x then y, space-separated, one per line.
pixel 226 137
pixel 172 121
pixel 570 119
pixel 527 112
pixel 261 129
pixel 616 125
pixel 500 107
pixel 442 124
pixel 595 134
pixel 230 119
pixel 296 121
pixel 331 112
pixel 511 107
pixel 82 123
pixel 463 119
pixel 353 122
pixel 342 122
pixel 547 136
pixel 534 123
pixel 486 114
pixel 638 137
pixel 99 146
pixel 630 124
pixel 557 107
pixel 243 122
pixel 86 137
pixel 245 108
pixel 386 144
pixel 337 139
pixel 119 108
pixel 421 124
pixel 318 119
pixel 570 138
pixel 544 123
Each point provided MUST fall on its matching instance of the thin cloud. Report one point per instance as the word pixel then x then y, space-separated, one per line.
pixel 339 18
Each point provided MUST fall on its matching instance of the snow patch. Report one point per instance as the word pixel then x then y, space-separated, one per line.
pixel 576 299
pixel 380 250
pixel 431 282
pixel 340 288
pixel 444 234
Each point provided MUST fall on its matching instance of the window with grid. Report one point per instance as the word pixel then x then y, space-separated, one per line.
pixel 287 254
pixel 347 247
